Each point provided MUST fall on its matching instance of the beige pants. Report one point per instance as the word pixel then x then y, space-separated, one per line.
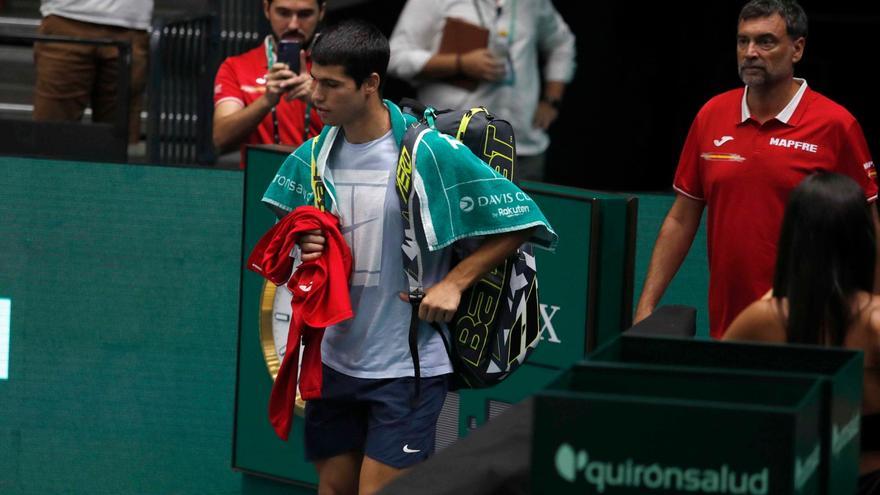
pixel 72 76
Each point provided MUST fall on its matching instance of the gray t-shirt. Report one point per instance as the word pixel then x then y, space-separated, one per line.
pixel 374 344
pixel 132 14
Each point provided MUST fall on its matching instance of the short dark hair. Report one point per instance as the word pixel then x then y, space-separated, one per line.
pixel 793 14
pixel 320 3
pixel 826 254
pixel 358 46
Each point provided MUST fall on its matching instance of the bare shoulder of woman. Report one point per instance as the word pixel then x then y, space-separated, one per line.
pixel 762 321
pixel 873 316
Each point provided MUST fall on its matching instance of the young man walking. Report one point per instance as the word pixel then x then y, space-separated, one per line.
pixel 367 427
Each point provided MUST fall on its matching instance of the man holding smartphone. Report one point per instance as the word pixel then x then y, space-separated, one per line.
pixel 263 96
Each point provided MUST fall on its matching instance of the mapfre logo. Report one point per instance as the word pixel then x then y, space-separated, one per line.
pixel 798 145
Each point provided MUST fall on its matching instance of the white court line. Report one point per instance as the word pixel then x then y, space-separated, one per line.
pixel 5 318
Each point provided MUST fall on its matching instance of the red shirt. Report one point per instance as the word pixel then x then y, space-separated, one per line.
pixel 744 172
pixel 320 298
pixel 242 78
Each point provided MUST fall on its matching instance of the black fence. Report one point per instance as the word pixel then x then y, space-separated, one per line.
pixel 184 56
pixel 185 52
pixel 242 26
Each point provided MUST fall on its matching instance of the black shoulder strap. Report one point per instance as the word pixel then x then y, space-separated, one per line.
pixel 412 254
pixel 412 106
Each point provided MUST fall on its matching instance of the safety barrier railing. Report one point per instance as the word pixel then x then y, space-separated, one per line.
pixel 184 57
pixel 241 25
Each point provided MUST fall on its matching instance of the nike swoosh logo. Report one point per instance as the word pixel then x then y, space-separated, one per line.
pixel 349 228
pixel 724 139
pixel 408 450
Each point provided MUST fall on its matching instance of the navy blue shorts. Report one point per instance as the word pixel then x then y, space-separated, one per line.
pixel 375 417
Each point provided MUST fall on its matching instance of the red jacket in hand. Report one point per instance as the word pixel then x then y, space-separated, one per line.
pixel 320 298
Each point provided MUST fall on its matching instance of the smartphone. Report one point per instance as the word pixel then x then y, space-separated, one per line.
pixel 288 53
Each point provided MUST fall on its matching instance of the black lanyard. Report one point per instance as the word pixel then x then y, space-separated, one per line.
pixel 307 122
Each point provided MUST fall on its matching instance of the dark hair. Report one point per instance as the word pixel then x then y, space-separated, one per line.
pixel 320 3
pixel 826 254
pixel 358 46
pixel 793 14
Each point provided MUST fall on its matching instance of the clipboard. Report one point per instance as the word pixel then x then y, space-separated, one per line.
pixel 460 36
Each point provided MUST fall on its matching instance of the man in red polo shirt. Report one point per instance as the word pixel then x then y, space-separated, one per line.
pixel 745 151
pixel 258 100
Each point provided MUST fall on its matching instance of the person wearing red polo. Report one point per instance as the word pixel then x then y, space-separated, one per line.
pixel 745 151
pixel 258 100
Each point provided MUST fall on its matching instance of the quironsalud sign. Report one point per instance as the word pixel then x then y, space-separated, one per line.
pixel 616 429
pixel 839 371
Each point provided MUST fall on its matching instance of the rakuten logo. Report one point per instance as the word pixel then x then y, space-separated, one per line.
pixel 513 211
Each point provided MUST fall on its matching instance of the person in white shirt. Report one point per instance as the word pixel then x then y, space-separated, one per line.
pixel 72 76
pixel 507 70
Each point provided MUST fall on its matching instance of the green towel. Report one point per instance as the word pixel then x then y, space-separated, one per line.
pixel 467 198
pixel 458 194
